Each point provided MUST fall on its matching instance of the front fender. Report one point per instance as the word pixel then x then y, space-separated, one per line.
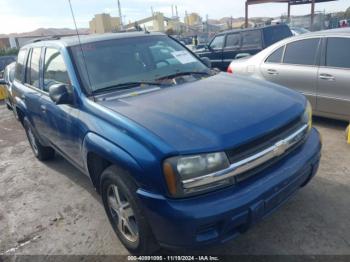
pixel 94 143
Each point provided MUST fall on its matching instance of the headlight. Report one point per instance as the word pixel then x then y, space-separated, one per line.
pixel 179 170
pixel 307 117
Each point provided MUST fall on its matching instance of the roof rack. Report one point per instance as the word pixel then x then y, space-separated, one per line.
pixel 46 38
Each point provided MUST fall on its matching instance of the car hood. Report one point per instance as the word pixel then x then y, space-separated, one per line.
pixel 216 113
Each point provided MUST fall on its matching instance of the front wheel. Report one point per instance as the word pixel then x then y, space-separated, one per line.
pixel 124 212
pixel 41 152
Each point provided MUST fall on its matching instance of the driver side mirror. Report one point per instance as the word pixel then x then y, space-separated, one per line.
pixel 206 61
pixel 60 94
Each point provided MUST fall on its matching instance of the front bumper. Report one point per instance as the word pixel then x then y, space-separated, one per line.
pixel 219 216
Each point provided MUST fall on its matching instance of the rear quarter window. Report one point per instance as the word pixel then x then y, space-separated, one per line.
pixel 19 70
pixel 276 56
pixel 275 34
pixel 32 76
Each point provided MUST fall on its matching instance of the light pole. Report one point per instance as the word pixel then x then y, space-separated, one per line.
pixel 120 16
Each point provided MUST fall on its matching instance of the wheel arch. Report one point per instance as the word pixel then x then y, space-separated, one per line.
pixel 21 111
pixel 100 154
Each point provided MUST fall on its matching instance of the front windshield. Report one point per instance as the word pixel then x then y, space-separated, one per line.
pixel 136 59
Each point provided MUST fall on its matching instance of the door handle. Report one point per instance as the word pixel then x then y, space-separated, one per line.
pixel 272 72
pixel 327 77
pixel 43 108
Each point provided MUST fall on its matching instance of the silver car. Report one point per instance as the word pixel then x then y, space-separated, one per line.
pixel 8 76
pixel 316 64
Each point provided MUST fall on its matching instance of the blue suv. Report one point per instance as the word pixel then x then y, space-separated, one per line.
pixel 183 156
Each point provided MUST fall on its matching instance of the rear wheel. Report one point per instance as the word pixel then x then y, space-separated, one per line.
pixel 41 152
pixel 124 212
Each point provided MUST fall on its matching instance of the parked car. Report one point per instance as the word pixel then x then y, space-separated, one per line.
pixel 7 80
pixel 183 156
pixel 5 61
pixel 298 30
pixel 233 44
pixel 315 64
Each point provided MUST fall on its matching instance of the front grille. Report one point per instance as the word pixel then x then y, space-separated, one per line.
pixel 257 145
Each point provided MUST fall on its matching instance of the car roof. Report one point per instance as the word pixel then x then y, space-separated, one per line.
pixel 251 29
pixel 329 32
pixel 8 56
pixel 85 39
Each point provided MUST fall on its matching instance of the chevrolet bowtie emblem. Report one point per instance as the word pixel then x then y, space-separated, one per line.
pixel 280 148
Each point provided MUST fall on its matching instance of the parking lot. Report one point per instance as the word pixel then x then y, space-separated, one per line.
pixel 51 208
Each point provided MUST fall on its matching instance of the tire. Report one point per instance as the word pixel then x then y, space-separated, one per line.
pixel 136 234
pixel 41 152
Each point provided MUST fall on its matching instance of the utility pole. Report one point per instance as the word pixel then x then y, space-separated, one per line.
pixel 207 22
pixel 120 16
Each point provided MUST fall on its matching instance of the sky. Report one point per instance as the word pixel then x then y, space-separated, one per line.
pixel 18 16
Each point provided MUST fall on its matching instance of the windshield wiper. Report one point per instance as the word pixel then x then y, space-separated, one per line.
pixel 127 85
pixel 183 74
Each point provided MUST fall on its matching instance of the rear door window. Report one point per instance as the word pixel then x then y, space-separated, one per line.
pixel 218 42
pixel 233 41
pixel 338 52
pixel 55 70
pixel 276 57
pixel 301 52
pixel 32 77
pixel 251 39
pixel 20 64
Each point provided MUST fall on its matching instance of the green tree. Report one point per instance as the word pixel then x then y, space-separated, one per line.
pixel 12 51
pixel 347 13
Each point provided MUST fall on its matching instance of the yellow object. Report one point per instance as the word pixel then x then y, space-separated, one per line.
pixel 2 92
pixel 348 133
pixel 170 178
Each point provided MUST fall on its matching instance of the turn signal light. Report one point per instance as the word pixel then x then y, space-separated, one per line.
pixel 229 70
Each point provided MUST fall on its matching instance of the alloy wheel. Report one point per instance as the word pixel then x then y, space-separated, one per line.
pixel 122 213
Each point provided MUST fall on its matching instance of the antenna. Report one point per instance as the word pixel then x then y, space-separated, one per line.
pixel 80 45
